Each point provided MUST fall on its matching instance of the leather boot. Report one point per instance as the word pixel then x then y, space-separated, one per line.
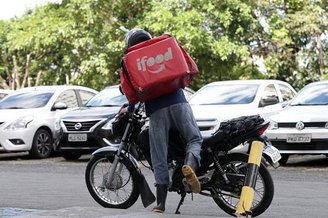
pixel 161 193
pixel 188 170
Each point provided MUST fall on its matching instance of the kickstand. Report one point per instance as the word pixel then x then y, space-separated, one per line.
pixel 183 195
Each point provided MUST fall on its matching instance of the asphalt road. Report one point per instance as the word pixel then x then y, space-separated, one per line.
pixel 55 188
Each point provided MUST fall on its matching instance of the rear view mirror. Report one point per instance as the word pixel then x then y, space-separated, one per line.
pixel 269 100
pixel 59 106
pixel 284 104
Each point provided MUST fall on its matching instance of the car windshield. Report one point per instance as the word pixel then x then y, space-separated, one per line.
pixel 225 94
pixel 107 97
pixel 316 94
pixel 25 100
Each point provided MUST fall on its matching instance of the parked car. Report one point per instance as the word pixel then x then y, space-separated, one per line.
pixel 223 100
pixel 81 131
pixel 302 127
pixel 4 92
pixel 27 116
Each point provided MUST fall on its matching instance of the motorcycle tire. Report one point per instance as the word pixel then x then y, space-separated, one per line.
pixel 121 193
pixel 264 184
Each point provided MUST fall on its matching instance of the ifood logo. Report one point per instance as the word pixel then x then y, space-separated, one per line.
pixel 160 59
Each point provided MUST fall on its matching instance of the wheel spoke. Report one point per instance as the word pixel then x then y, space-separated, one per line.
pixel 238 167
pixel 43 144
pixel 119 190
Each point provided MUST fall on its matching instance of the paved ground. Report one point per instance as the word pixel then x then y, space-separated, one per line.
pixel 93 212
pixel 56 189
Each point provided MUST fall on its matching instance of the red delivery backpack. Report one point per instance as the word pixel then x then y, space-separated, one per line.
pixel 154 68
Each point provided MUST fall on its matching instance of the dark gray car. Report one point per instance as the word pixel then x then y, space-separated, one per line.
pixel 82 130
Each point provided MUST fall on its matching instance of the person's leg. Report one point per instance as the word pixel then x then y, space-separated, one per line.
pixel 187 126
pixel 185 123
pixel 158 138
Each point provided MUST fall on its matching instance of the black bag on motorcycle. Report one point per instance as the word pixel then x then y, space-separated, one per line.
pixel 231 133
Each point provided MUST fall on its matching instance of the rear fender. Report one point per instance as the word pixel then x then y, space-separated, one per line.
pixel 270 155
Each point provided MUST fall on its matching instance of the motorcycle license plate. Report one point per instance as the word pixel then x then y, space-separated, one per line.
pixel 272 152
pixel 77 137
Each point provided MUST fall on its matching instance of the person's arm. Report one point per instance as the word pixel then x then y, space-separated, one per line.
pixel 127 109
pixel 131 108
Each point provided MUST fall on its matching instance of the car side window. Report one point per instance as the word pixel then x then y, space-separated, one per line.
pixel 85 96
pixel 69 98
pixel 286 92
pixel 270 96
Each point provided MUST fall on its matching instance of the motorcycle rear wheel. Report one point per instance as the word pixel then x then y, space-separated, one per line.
pixel 263 191
pixel 121 193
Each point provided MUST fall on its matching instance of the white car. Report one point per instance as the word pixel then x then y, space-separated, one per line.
pixel 27 116
pixel 302 127
pixel 225 100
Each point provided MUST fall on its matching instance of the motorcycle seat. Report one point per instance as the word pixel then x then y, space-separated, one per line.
pixel 232 132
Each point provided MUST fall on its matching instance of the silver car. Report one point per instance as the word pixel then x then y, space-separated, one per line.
pixel 27 116
pixel 302 127
pixel 225 100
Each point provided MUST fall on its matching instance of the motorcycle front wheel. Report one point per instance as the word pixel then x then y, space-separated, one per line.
pixel 122 192
pixel 228 200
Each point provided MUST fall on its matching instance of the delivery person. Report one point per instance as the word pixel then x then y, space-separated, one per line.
pixel 171 111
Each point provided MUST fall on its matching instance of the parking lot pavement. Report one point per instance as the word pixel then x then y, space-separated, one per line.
pixel 98 212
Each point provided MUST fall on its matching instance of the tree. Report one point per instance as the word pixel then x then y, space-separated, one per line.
pixel 75 42
pixel 82 41
pixel 294 40
pixel 216 33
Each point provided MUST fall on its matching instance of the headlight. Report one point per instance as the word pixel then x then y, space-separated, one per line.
pixel 57 125
pixel 273 125
pixel 20 123
pixel 108 125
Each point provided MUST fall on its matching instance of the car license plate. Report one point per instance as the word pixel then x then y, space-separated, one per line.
pixel 299 138
pixel 77 137
pixel 272 152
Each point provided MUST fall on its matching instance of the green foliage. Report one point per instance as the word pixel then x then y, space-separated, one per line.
pixel 82 41
pixel 214 33
pixel 294 38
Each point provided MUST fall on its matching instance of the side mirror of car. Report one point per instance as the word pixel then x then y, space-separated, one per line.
pixel 269 100
pixel 59 106
pixel 284 104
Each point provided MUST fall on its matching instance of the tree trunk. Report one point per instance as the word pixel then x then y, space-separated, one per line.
pixel 16 83
pixel 3 83
pixel 26 70
pixel 320 56
pixel 6 82
pixel 38 78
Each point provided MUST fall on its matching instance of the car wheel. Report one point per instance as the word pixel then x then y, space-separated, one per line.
pixel 41 145
pixel 71 155
pixel 284 159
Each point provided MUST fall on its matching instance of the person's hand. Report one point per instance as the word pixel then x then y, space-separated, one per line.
pixel 123 111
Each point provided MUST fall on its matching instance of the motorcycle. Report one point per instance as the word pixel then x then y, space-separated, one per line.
pixel 114 177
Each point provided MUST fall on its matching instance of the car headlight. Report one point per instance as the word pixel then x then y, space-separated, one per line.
pixel 273 125
pixel 57 125
pixel 108 125
pixel 20 123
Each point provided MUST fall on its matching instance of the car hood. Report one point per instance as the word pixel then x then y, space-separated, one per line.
pixel 302 113
pixel 222 112
pixel 12 114
pixel 91 112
